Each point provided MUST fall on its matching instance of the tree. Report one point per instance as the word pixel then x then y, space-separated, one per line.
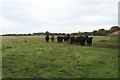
pixel 87 33
pixel 79 33
pixel 95 33
pixel 47 33
pixel 102 32
pixel 114 28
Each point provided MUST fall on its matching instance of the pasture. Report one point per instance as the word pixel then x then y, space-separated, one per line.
pixel 32 57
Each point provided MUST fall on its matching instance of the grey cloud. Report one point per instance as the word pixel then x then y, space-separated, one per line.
pixel 70 19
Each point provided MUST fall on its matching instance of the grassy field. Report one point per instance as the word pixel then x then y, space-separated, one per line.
pixel 32 57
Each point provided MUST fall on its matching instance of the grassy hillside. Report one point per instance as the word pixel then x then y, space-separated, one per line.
pixel 32 57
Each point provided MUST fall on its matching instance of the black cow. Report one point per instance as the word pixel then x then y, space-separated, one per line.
pixel 89 41
pixel 59 39
pixel 47 38
pixel 82 41
pixel 72 39
pixel 66 38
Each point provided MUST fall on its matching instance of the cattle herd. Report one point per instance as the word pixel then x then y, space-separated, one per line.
pixel 80 40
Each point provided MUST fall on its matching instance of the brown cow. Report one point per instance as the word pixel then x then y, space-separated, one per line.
pixel 52 38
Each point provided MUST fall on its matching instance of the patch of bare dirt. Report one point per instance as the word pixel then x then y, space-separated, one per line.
pixel 116 33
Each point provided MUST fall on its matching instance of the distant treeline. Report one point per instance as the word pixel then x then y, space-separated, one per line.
pixel 17 34
pixel 100 32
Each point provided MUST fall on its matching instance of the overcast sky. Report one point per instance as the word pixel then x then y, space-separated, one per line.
pixel 28 16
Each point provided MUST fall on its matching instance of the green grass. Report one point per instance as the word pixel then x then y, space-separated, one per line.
pixel 0 57
pixel 103 41
pixel 29 57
